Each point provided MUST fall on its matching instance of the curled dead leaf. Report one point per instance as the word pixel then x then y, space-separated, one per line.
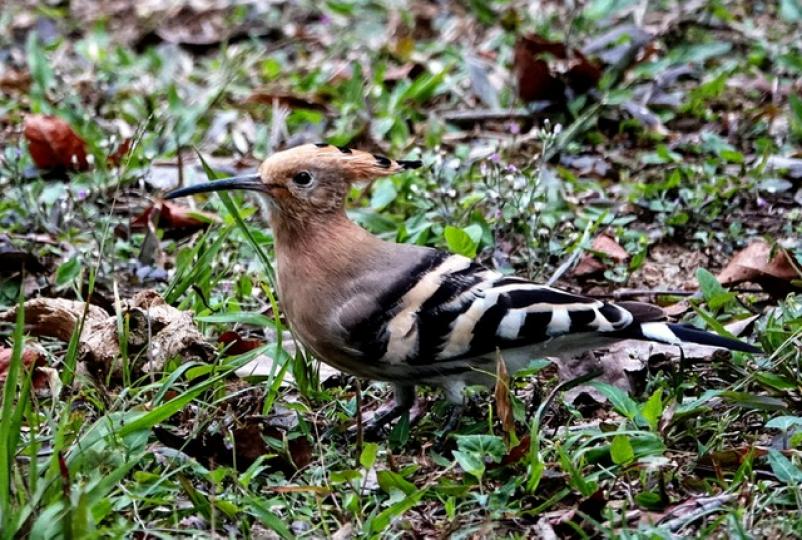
pixel 53 144
pixel 155 327
pixel 773 270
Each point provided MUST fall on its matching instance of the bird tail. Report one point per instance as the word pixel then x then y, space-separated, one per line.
pixel 677 334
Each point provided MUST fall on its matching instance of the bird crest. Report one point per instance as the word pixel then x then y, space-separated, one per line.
pixel 352 165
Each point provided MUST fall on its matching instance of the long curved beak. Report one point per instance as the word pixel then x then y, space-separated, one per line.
pixel 250 182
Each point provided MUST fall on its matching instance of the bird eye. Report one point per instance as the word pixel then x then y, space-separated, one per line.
pixel 302 178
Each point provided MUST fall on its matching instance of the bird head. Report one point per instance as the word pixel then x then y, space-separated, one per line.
pixel 308 180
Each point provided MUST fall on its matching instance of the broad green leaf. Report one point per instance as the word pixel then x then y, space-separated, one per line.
pixel 621 450
pixel 714 294
pixel 784 423
pixel 260 511
pixel 368 456
pixel 618 399
pixel 400 432
pixel 460 242
pixel 382 520
pixel 471 463
pixel 754 401
pixel 384 193
pixel 652 410
pixel 784 469
pixel 484 445
pixel 341 477
pixel 67 272
pixel 774 381
pixel 791 11
pixel 389 480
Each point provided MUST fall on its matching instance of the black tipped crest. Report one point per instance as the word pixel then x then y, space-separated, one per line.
pixel 410 163
pixel 383 161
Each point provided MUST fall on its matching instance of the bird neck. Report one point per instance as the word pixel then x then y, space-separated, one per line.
pixel 328 241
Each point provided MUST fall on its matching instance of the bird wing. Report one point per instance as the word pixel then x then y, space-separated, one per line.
pixel 449 308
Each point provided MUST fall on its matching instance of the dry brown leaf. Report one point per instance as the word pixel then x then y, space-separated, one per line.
pixel 236 344
pixel 155 328
pixel 117 157
pixel 13 260
pixel 604 245
pixel 544 69
pixel 13 80
pixel 176 221
pixel 53 144
pixel 502 396
pixel 756 264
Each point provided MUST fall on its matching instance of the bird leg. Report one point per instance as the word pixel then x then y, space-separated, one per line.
pixel 404 398
pixel 455 411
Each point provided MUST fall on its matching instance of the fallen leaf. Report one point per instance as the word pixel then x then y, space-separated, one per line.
pixel 518 452
pixel 13 260
pixel 12 80
pixel 116 157
pixel 755 263
pixel 235 344
pixel 53 144
pixel 177 221
pixel 213 447
pixel 617 369
pixel 546 69
pixel 44 380
pixel 606 246
pixel 155 327
pixel 502 396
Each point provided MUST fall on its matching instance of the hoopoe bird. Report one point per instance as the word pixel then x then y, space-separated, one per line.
pixel 413 315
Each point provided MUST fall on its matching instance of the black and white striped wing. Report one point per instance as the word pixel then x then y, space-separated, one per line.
pixel 451 308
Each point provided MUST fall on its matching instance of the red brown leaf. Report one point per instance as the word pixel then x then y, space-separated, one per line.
pixel 756 263
pixel 53 144
pixel 120 153
pixel 545 69
pixel 177 221
pixel 31 358
pixel 235 344
pixel 606 246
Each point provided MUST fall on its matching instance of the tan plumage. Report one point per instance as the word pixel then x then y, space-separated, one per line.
pixel 410 314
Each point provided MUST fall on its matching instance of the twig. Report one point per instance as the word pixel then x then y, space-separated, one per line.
pixel 620 294
pixel 360 433
pixel 487 115
pixel 704 506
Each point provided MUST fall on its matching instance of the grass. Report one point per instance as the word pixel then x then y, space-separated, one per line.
pixel 700 447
